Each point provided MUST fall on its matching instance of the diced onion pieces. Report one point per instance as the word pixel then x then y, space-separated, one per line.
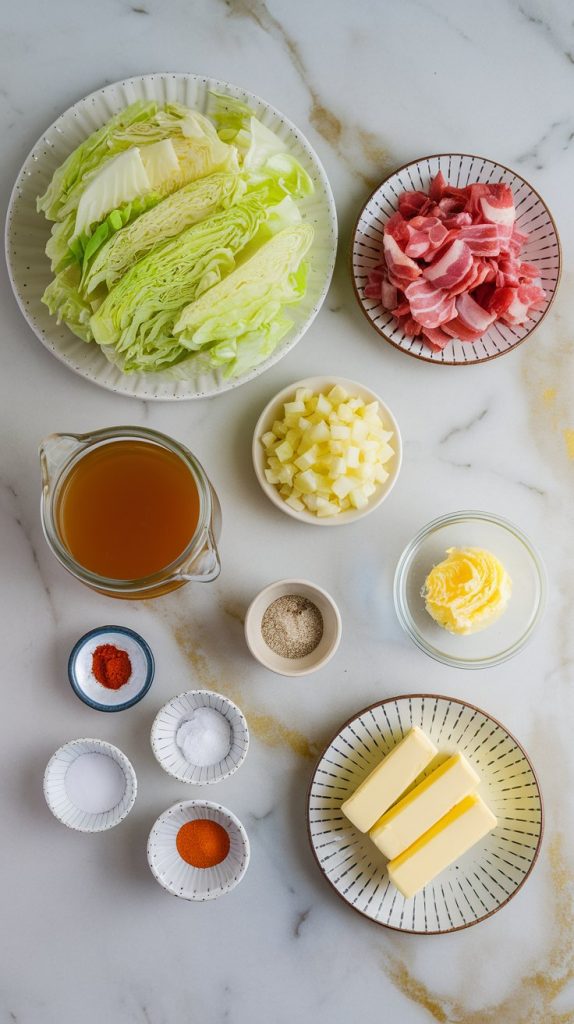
pixel 450 265
pixel 327 453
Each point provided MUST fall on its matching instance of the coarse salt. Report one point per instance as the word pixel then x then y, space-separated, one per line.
pixel 95 783
pixel 205 737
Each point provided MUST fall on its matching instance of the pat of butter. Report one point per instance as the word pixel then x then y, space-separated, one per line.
pixel 389 779
pixel 446 841
pixel 424 805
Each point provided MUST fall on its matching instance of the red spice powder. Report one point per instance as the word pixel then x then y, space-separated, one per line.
pixel 202 843
pixel 111 666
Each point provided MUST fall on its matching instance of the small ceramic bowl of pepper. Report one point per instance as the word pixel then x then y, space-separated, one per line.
pixel 293 627
pixel 198 850
pixel 111 668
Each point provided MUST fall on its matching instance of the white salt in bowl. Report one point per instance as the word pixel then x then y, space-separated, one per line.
pixel 181 879
pixel 168 753
pixel 59 802
pixel 331 628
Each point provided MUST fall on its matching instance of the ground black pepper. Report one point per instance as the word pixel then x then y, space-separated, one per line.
pixel 292 626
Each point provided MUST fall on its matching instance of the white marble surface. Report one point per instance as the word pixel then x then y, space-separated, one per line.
pixel 87 935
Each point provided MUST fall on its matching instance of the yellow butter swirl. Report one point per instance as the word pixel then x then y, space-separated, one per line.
pixel 468 591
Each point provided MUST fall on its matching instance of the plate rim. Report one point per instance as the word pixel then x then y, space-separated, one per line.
pixel 416 355
pixel 229 384
pixel 473 707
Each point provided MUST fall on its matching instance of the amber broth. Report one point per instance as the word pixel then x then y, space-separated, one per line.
pixel 128 509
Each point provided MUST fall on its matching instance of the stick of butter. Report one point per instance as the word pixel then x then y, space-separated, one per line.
pixel 389 779
pixel 425 804
pixel 446 841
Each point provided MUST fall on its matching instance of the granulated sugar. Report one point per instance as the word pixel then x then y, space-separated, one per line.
pixel 292 626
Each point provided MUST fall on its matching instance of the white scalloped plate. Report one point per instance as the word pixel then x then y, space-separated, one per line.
pixel 478 884
pixel 460 169
pixel 27 232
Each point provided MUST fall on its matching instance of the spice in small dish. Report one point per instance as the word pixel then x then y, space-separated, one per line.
pixel 205 737
pixel 111 666
pixel 95 783
pixel 292 626
pixel 202 843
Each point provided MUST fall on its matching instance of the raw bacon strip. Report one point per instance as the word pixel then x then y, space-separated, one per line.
pixel 498 205
pixel 451 267
pixel 437 187
pixel 399 265
pixel 482 239
pixel 411 202
pixel 472 315
pixel 457 329
pixel 430 306
pixel 389 295
pixel 436 338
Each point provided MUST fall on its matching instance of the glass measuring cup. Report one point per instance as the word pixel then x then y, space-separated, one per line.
pixel 198 562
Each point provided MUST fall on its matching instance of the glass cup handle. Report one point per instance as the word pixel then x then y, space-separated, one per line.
pixel 207 566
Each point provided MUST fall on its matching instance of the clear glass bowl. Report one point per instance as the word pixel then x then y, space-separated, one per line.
pixel 504 638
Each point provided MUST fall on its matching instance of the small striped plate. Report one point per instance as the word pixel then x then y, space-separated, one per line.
pixel 478 884
pixel 460 169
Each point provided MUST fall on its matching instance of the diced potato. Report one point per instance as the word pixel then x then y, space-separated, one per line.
pixel 294 407
pixel 323 405
pixel 303 423
pixel 303 394
pixel 319 432
pixel 352 456
pixel 343 486
pixel 380 474
pixel 366 471
pixel 306 482
pixel 286 473
pixel 358 498
pixel 268 439
pixel 359 431
pixel 340 432
pixel 345 413
pixel 336 447
pixel 338 468
pixel 355 404
pixel 271 476
pixel 279 428
pixel 385 453
pixel 337 394
pixel 284 452
pixel 295 503
pixel 326 508
pixel 371 410
pixel 307 460
pixel 285 490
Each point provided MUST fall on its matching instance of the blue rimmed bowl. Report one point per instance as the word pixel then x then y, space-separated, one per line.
pixel 86 686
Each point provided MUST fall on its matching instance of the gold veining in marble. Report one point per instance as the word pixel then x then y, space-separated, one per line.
pixel 269 729
pixel 531 999
pixel 548 374
pixel 345 139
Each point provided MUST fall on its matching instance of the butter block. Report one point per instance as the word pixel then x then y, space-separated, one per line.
pixel 389 779
pixel 424 805
pixel 443 843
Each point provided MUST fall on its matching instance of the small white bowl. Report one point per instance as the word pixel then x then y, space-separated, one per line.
pixel 181 879
pixel 164 732
pixel 273 409
pixel 325 648
pixel 55 787
pixel 86 686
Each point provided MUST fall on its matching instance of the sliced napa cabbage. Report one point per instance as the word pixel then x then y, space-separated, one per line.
pixel 66 303
pixel 63 248
pixel 198 154
pixel 246 306
pixel 112 137
pixel 138 314
pixel 189 205
pixel 120 180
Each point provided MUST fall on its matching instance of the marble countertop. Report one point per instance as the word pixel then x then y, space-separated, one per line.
pixel 87 934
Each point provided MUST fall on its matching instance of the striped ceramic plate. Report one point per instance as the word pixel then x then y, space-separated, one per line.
pixel 478 884
pixel 27 232
pixel 532 216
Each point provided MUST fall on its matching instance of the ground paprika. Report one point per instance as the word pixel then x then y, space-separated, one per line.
pixel 111 666
pixel 202 843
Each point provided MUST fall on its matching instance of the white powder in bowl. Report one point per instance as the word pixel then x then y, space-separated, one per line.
pixel 95 783
pixel 205 737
